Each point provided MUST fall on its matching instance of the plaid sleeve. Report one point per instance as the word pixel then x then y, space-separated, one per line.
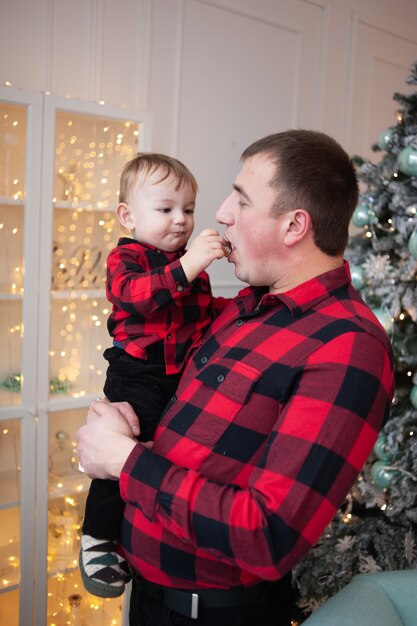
pixel 134 288
pixel 321 439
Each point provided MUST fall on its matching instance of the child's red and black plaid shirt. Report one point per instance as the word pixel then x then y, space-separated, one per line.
pixel 275 415
pixel 153 301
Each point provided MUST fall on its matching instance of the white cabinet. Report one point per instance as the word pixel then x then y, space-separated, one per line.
pixel 60 163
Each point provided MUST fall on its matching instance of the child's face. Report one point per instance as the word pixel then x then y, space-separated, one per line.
pixel 160 214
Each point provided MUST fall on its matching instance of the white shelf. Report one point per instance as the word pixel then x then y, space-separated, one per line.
pixel 11 296
pixel 11 201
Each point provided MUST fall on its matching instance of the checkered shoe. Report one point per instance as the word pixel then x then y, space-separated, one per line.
pixel 104 572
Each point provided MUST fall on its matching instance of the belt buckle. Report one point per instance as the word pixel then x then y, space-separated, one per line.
pixel 194 606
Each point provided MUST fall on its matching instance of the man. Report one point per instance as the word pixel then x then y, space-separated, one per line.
pixel 276 411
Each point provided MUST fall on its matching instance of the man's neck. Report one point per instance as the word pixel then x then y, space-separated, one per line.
pixel 302 269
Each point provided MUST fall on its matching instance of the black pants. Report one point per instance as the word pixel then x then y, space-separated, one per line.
pixel 146 386
pixel 274 608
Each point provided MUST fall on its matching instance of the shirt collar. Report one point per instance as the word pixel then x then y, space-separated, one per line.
pixel 171 256
pixel 306 295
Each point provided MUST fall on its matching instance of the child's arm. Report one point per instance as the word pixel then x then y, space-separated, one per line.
pixel 203 250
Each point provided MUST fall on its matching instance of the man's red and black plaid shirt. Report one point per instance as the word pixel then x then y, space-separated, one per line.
pixel 154 302
pixel 275 415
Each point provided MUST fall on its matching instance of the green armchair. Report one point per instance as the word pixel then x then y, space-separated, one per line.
pixel 377 599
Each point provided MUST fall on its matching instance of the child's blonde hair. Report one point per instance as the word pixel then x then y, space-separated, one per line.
pixel 148 163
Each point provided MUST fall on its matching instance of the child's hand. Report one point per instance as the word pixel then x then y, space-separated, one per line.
pixel 203 250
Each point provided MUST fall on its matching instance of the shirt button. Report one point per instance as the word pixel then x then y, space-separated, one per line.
pixel 203 360
pixel 180 288
pixel 173 399
pixel 239 322
pixel 220 378
pixel 169 336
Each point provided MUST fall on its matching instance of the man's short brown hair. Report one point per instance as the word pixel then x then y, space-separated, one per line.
pixel 313 172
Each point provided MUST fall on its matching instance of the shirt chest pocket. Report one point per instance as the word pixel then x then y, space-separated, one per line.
pixel 221 389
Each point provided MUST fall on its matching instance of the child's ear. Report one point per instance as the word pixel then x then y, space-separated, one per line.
pixel 125 217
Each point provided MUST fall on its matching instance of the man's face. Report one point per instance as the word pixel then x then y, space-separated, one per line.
pixel 250 226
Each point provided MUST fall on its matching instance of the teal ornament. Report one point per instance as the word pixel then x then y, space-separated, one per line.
pixel 361 216
pixel 407 161
pixel 382 476
pixel 385 319
pixel 380 449
pixel 413 396
pixel 412 244
pixel 358 276
pixel 384 140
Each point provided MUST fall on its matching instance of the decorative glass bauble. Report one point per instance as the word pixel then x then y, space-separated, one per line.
pixel 407 161
pixel 385 318
pixel 361 216
pixel 412 244
pixel 358 276
pixel 382 476
pixel 413 396
pixel 384 140
pixel 381 449
pixel 411 210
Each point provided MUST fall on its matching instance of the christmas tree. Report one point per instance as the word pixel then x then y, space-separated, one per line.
pixel 376 529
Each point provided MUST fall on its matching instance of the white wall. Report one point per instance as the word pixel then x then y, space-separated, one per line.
pixel 218 74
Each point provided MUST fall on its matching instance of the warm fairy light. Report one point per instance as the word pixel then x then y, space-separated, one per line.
pixel 409 373
pixel 5 431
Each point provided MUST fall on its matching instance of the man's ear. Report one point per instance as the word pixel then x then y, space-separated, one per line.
pixel 298 226
pixel 125 216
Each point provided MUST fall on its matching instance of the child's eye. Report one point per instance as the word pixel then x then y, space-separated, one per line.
pixel 165 210
pixel 189 211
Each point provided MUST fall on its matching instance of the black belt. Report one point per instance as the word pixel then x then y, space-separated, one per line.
pixel 190 603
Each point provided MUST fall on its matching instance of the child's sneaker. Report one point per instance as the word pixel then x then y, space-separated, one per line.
pixel 104 572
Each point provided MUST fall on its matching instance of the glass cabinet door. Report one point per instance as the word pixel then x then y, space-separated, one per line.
pixel 20 124
pixel 88 146
pixel 60 164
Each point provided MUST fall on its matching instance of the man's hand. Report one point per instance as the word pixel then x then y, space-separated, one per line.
pixel 203 250
pixel 107 439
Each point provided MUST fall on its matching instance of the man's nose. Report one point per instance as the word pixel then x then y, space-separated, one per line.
pixel 224 214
